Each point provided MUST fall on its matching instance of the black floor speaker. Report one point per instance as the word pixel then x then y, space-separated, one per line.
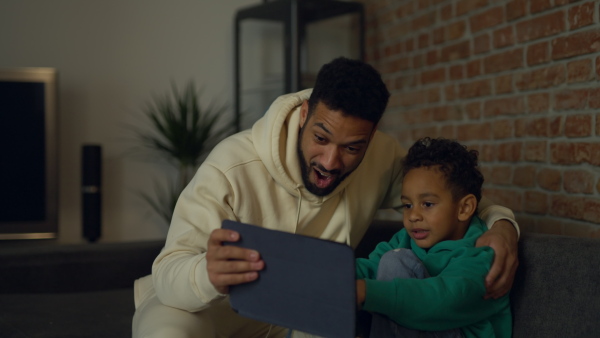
pixel 91 183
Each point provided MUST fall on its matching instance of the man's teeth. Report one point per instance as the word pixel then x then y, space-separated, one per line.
pixel 323 174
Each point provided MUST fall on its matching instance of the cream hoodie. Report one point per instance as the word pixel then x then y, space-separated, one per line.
pixel 254 177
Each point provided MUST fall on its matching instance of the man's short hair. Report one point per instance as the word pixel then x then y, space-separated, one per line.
pixel 351 86
pixel 456 163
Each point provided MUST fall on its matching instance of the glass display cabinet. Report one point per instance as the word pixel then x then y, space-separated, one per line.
pixel 280 46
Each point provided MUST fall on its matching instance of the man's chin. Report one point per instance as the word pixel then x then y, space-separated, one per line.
pixel 321 191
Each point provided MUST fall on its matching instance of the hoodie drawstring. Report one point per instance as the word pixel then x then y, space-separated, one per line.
pixel 347 222
pixel 298 186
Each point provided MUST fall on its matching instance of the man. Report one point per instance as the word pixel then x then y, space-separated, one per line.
pixel 316 165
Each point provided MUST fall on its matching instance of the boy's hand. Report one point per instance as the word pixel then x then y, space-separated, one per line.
pixel 230 265
pixel 502 237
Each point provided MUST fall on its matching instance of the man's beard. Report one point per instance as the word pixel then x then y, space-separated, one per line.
pixel 306 170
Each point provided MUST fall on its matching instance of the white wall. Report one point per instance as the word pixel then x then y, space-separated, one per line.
pixel 112 55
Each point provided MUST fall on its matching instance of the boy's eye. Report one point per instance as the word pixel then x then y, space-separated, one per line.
pixel 406 206
pixel 428 204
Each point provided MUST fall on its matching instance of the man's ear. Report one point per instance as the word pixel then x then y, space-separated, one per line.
pixel 466 207
pixel 373 132
pixel 303 113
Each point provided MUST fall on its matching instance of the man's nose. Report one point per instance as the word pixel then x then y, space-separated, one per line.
pixel 332 158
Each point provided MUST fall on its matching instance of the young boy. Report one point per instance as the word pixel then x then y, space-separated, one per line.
pixel 428 280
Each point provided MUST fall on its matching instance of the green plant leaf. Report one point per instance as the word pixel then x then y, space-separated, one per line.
pixel 163 201
pixel 182 131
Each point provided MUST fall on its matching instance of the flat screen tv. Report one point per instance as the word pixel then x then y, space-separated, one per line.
pixel 28 153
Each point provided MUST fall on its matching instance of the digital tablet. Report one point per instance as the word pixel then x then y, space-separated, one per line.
pixel 308 284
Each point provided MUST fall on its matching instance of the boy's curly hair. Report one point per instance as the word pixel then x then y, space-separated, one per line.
pixel 456 163
pixel 352 86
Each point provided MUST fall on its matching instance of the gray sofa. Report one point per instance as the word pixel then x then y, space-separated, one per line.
pixel 86 290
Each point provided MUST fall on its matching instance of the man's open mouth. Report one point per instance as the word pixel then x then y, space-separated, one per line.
pixel 323 179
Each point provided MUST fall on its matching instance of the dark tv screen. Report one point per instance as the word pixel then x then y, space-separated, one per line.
pixel 22 145
pixel 28 153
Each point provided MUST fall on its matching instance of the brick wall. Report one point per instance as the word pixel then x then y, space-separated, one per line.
pixel 516 80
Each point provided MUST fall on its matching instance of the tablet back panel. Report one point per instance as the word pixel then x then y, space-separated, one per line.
pixel 308 284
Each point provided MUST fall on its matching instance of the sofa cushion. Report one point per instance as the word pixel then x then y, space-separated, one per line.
pixel 557 287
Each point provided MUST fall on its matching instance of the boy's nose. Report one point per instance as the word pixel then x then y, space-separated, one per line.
pixel 414 216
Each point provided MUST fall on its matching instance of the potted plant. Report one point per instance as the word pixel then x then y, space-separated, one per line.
pixel 181 131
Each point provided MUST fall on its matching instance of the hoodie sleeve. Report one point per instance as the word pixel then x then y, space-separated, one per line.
pixel 491 213
pixel 452 299
pixel 179 272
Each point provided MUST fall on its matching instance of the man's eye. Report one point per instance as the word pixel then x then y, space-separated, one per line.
pixel 319 139
pixel 352 150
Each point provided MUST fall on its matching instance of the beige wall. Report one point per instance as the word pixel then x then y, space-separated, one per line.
pixel 111 57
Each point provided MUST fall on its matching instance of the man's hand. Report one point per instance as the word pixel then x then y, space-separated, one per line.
pixel 230 265
pixel 502 237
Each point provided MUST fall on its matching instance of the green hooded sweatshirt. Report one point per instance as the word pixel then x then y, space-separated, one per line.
pixel 451 298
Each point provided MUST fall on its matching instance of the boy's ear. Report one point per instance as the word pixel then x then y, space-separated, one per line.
pixel 467 207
